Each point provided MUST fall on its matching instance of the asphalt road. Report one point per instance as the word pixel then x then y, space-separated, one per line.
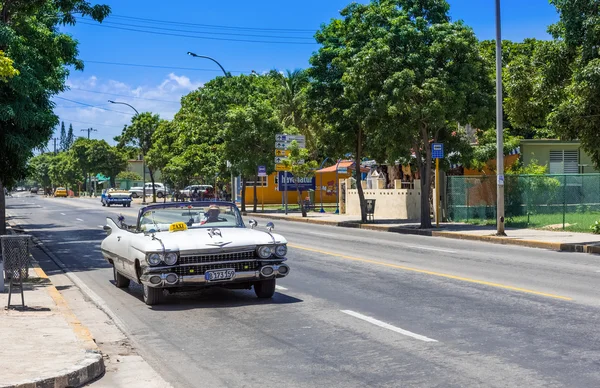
pixel 360 308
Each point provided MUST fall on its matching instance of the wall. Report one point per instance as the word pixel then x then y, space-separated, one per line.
pixel 540 151
pixel 397 204
pixel 136 166
pixel 271 196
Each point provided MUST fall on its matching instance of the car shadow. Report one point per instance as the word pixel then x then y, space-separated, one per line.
pixel 211 298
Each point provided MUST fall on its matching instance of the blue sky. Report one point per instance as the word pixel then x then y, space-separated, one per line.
pixel 158 89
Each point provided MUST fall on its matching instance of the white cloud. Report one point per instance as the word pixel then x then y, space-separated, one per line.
pixel 109 119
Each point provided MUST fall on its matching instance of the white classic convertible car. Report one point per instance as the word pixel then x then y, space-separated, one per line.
pixel 194 245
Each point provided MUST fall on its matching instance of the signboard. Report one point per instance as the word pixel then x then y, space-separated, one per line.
pixel 437 151
pixel 342 170
pixel 282 145
pixel 282 152
pixel 281 159
pixel 289 138
pixel 281 167
pixel 304 184
pixel 262 171
pixel 500 180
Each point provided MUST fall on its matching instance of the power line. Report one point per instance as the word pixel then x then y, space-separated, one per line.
pixel 197 37
pixel 204 32
pixel 162 67
pixel 123 95
pixel 88 123
pixel 88 130
pixel 213 26
pixel 92 106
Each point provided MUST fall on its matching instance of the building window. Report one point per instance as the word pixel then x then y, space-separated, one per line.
pixel 564 162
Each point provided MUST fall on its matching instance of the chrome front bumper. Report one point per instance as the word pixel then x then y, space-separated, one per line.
pixel 200 280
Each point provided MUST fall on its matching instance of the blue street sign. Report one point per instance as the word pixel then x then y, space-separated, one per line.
pixel 262 171
pixel 437 151
pixel 304 184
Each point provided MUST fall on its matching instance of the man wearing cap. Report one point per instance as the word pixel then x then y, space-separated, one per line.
pixel 212 215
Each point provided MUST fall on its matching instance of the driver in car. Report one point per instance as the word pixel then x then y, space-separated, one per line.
pixel 212 215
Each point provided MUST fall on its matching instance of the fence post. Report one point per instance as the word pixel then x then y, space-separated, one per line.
pixel 466 185
pixel 564 199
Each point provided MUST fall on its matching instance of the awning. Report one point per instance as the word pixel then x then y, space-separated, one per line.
pixel 348 164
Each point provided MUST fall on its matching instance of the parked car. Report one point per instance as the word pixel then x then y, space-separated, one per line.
pixel 184 246
pixel 138 191
pixel 115 197
pixel 202 190
pixel 60 192
pixel 33 190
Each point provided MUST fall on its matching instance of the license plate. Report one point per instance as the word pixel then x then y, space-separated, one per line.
pixel 219 274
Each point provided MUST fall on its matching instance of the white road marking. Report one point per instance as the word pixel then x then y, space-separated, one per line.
pixel 281 288
pixel 430 249
pixel 79 219
pixel 62 214
pixel 101 226
pixel 388 326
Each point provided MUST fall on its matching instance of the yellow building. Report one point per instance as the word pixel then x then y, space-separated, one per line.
pixel 325 182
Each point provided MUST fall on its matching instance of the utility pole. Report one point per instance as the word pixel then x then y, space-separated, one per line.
pixel 55 139
pixel 499 129
pixel 88 131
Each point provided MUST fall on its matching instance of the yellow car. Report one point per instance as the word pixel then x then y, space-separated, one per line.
pixel 60 192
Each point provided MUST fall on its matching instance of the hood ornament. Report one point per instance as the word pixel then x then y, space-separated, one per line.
pixel 220 244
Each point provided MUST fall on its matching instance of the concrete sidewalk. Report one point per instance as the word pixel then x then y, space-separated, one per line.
pixel 534 238
pixel 44 345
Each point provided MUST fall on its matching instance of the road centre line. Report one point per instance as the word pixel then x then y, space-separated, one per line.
pixel 438 274
pixel 388 326
pixel 62 214
pixel 79 219
pixel 281 288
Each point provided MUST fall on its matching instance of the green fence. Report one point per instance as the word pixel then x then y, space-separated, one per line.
pixel 569 201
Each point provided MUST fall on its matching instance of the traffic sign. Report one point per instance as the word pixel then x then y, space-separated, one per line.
pixel 342 170
pixel 281 159
pixel 282 167
pixel 437 150
pixel 282 153
pixel 289 138
pixel 283 145
pixel 262 171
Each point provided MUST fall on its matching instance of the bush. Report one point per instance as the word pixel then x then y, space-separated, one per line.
pixel 595 227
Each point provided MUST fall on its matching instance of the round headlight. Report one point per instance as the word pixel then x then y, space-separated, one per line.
pixel 154 259
pixel 281 250
pixel 171 258
pixel 264 252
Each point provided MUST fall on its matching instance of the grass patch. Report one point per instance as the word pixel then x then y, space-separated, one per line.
pixel 575 222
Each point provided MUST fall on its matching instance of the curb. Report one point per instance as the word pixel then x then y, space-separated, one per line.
pixel 555 246
pixel 86 370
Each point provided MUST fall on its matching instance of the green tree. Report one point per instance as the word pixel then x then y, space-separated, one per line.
pixel 63 137
pixel 139 134
pixel 65 171
pixel 70 138
pixel 301 168
pixel 7 69
pixel 39 169
pixel 129 176
pixel 31 38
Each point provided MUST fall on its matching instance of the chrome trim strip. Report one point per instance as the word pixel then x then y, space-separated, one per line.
pixel 212 251
pixel 154 269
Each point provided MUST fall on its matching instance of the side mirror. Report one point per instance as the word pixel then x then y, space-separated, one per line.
pixel 107 229
pixel 253 224
pixel 270 226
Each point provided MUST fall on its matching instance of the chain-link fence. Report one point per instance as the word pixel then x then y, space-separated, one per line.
pixel 567 201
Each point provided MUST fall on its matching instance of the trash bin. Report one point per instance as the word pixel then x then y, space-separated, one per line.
pixel 370 209
pixel 16 257
pixel 311 195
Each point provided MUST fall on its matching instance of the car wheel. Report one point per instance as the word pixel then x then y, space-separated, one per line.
pixel 120 280
pixel 265 288
pixel 160 195
pixel 128 205
pixel 152 296
pixel 103 204
pixel 108 204
pixel 134 195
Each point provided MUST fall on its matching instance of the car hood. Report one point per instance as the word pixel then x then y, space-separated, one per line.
pixel 201 239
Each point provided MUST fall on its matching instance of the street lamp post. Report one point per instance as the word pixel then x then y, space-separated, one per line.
pixel 321 187
pixel 141 149
pixel 499 129
pixel 212 59
pixel 337 188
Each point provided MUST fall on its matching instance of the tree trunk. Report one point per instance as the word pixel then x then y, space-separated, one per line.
pixel 425 170
pixel 153 188
pixel 302 207
pixel 358 176
pixel 255 194
pixel 2 211
pixel 243 194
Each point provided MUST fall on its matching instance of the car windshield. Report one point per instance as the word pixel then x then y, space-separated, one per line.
pixel 194 215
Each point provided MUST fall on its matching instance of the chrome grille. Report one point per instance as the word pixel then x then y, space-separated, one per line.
pixel 201 269
pixel 202 259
